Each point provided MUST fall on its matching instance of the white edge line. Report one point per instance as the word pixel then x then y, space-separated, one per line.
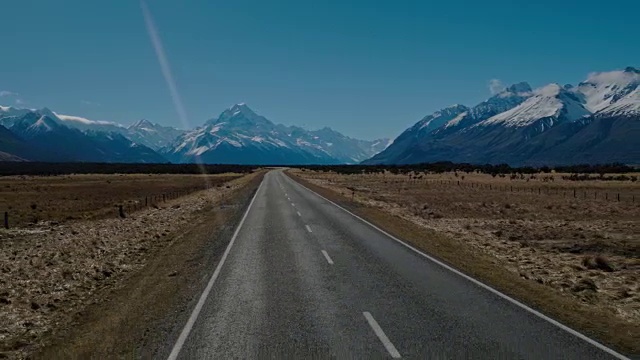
pixel 481 284
pixel 308 228
pixel 326 256
pixel 196 311
pixel 381 335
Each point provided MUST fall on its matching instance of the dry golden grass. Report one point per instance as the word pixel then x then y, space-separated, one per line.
pixel 50 273
pixel 30 199
pixel 574 258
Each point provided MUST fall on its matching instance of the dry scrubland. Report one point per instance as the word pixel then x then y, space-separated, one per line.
pixel 586 249
pixel 51 270
pixel 33 199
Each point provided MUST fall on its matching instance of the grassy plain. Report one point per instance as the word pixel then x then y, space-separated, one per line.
pixel 52 274
pixel 32 199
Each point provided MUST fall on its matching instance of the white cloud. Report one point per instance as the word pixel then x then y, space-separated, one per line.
pixel 20 102
pixel 4 93
pixel 87 102
pixel 85 120
pixel 495 86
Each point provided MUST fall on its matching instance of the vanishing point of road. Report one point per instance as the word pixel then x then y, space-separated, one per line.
pixel 303 278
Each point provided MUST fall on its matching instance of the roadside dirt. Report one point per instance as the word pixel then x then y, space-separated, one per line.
pixel 576 259
pixel 112 287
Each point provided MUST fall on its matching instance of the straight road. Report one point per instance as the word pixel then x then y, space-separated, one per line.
pixel 304 278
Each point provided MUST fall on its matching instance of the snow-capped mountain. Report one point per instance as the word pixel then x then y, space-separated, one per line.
pixel 238 135
pixel 40 135
pixel 448 121
pixel 611 92
pixel 142 132
pixel 549 104
pixel 152 135
pixel 241 136
pixel 596 121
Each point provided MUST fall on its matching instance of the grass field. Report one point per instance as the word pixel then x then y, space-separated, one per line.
pixel 51 272
pixel 33 199
pixel 583 249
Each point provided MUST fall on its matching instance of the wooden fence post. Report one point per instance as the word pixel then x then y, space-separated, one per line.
pixel 618 196
pixel 6 219
pixel 121 211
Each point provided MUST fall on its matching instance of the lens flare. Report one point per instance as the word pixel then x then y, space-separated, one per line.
pixel 166 72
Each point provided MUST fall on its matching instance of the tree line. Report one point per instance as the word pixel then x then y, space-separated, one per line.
pixel 491 169
pixel 50 169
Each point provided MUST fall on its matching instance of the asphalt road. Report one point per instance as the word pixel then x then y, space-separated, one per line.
pixel 304 278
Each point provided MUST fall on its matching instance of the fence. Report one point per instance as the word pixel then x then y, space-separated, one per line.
pixel 566 192
pixel 151 200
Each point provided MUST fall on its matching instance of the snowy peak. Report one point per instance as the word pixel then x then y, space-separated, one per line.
pixel 242 136
pixel 44 123
pixel 604 89
pixel 242 116
pixel 503 101
pixel 142 124
pixel 440 118
pixel 551 101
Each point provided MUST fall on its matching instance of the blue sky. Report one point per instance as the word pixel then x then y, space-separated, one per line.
pixel 366 68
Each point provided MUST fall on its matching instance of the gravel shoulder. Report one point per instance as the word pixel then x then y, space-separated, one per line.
pixel 113 287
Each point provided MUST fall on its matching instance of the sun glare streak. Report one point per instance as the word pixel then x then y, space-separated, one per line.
pixel 166 71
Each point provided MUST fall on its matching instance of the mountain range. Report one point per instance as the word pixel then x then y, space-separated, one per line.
pixel 238 136
pixel 597 121
pixel 241 136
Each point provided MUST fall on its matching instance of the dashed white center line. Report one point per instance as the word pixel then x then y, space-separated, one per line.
pixel 326 256
pixel 292 204
pixel 381 335
pixel 298 212
pixel 308 228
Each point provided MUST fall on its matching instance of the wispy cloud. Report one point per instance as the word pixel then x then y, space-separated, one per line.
pixel 495 86
pixel 4 93
pixel 93 103
pixel 20 102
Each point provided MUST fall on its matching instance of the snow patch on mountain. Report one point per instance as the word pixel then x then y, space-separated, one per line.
pixel 603 89
pixel 628 105
pixel 440 117
pixel 456 120
pixel 551 101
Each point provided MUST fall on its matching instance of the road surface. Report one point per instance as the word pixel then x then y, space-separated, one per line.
pixel 304 278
